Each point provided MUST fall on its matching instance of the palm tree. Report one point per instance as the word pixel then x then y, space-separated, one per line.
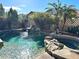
pixel 60 11
pixel 56 8
pixel 69 12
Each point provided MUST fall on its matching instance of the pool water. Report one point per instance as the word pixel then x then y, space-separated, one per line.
pixel 19 48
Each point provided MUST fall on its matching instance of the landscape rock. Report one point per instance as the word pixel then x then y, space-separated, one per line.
pixel 59 50
pixel 1 43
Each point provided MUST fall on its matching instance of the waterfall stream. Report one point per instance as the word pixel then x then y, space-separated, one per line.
pixel 24 34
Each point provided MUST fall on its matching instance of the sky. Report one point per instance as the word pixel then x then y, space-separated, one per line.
pixel 25 6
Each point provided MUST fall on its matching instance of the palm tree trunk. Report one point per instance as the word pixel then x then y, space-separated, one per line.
pixel 63 26
pixel 57 25
pixel 64 22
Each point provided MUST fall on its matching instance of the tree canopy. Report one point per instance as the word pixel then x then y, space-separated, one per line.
pixel 12 18
pixel 1 10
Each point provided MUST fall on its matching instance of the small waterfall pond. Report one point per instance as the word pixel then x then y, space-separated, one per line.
pixel 17 47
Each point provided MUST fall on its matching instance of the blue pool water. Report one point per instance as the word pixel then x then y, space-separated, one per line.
pixel 19 48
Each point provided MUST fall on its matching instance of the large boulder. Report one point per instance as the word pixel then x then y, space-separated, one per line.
pixel 1 43
pixel 59 50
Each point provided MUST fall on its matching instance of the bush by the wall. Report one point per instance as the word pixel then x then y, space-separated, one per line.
pixel 73 29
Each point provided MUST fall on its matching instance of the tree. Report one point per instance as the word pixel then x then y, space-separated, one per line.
pixel 42 20
pixel 1 10
pixel 69 13
pixel 22 20
pixel 61 12
pixel 15 15
pixel 2 22
pixel 56 8
pixel 12 18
